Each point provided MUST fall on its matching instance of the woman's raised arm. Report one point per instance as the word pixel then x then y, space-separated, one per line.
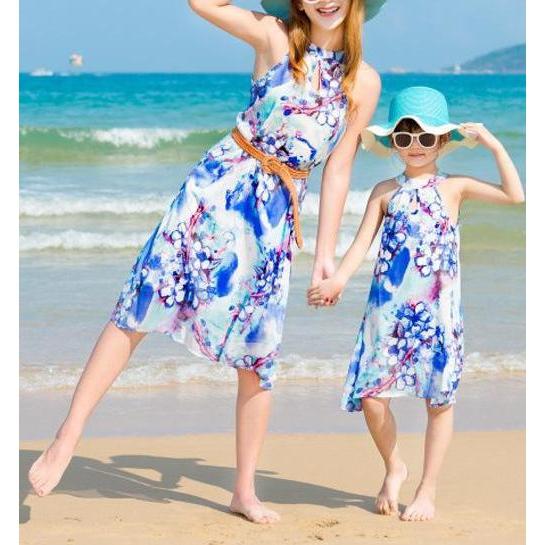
pixel 250 26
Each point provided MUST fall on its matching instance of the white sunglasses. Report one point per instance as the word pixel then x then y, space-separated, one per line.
pixel 404 140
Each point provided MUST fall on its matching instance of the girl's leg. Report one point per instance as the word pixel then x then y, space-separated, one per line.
pixel 438 435
pixel 253 409
pixel 382 426
pixel 108 358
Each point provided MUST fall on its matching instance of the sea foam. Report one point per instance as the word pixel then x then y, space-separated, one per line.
pixel 171 372
pixel 59 204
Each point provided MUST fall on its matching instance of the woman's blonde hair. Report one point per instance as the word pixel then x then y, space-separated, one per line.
pixel 299 40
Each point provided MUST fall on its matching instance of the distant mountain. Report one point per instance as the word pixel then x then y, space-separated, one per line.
pixel 511 60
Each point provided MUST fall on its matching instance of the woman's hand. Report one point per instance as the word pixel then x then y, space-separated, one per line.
pixel 482 135
pixel 326 292
pixel 323 269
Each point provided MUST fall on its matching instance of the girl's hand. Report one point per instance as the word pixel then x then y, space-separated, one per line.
pixel 326 293
pixel 482 135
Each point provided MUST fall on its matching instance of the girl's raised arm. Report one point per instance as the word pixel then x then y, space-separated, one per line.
pixel 252 27
pixel 510 191
pixel 337 172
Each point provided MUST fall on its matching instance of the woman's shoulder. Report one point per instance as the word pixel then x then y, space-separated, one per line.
pixel 275 29
pixel 367 82
pixel 367 75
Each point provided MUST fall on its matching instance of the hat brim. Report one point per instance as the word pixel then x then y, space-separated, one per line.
pixel 376 138
pixel 281 8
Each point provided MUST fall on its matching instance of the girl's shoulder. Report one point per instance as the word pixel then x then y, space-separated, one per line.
pixel 383 191
pixel 454 183
pixel 386 185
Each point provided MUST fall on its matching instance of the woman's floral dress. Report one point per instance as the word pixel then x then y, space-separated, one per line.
pixel 215 272
pixel 410 342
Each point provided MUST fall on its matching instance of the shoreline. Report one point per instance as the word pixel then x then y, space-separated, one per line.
pixel 490 403
pixel 166 490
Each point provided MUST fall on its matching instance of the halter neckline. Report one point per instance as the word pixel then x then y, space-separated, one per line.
pixel 333 54
pixel 405 181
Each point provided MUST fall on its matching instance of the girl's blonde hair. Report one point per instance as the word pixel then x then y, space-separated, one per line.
pixel 299 40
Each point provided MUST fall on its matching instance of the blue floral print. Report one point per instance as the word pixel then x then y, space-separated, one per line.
pixel 215 272
pixel 410 342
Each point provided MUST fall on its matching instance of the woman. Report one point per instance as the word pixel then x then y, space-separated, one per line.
pixel 215 272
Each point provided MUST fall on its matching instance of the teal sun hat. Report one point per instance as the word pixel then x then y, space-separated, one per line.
pixel 281 8
pixel 429 108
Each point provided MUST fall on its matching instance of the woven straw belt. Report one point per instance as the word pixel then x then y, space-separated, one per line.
pixel 271 165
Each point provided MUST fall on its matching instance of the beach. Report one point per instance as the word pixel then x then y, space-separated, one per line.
pixel 166 490
pixel 157 466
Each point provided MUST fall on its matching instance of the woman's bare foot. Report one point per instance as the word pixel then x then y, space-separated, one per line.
pixel 387 499
pixel 423 505
pixel 47 470
pixel 253 510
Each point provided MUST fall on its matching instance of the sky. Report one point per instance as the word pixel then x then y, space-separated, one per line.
pixel 166 36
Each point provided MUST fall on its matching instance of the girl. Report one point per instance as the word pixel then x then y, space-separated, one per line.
pixel 411 339
pixel 215 272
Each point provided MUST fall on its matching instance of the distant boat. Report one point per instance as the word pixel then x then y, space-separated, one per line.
pixel 40 72
pixel 76 60
pixel 397 70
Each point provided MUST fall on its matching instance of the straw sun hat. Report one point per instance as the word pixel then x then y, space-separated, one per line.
pixel 429 108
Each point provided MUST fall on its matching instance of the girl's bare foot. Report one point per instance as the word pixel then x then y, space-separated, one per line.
pixel 47 470
pixel 253 510
pixel 387 499
pixel 423 505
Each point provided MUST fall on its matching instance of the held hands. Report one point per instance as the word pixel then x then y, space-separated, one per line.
pixel 323 269
pixel 482 135
pixel 326 293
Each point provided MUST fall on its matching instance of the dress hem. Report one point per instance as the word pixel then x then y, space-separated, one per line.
pixel 356 401
pixel 264 384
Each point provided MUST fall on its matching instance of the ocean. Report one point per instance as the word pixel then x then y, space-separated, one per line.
pixel 101 157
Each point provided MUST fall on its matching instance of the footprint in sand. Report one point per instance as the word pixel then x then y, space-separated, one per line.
pixel 328 523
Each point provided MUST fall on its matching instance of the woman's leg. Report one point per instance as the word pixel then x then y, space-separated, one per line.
pixel 253 410
pixel 382 426
pixel 108 358
pixel 438 436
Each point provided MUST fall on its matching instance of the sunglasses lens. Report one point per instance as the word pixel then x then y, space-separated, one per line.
pixel 427 140
pixel 402 140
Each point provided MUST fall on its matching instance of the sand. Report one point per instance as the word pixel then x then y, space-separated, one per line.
pixel 174 490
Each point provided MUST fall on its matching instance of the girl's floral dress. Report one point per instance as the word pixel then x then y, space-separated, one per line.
pixel 410 342
pixel 215 272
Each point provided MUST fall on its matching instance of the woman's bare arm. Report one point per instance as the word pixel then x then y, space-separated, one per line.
pixel 250 26
pixel 337 172
pixel 265 33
